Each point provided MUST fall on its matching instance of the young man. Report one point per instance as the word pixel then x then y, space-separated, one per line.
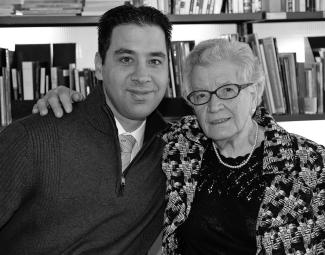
pixel 64 186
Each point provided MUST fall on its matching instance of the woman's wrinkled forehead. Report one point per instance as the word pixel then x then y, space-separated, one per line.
pixel 214 75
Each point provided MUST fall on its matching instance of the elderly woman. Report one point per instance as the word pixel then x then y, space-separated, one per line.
pixel 237 182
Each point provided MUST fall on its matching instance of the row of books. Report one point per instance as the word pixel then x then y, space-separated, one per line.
pixel 291 87
pixel 98 7
pixel 30 71
pixel 293 5
pixel 32 82
pixel 245 6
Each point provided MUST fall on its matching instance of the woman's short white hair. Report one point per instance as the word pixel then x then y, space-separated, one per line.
pixel 214 51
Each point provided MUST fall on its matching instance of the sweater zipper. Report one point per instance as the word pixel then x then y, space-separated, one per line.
pixel 121 188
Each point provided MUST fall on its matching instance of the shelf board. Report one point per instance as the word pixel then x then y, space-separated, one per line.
pixel 17 21
pixel 52 20
pixel 48 20
pixel 215 18
pixel 294 16
pixel 299 117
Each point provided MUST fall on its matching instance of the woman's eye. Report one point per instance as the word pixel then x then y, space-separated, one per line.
pixel 229 89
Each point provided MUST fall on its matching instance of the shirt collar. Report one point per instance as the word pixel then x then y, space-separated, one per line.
pixel 138 134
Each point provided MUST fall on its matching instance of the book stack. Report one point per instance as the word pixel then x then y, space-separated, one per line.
pixel 50 7
pixel 7 7
pixel 163 5
pixel 199 6
pixel 99 7
pixel 278 8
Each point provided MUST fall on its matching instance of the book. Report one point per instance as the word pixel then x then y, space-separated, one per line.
pixel 5 74
pixel 28 80
pixel 33 52
pixel 310 98
pixel 268 96
pixel 290 77
pixel 270 52
pixel 320 85
pixel 14 83
pixel 64 54
pixel 301 85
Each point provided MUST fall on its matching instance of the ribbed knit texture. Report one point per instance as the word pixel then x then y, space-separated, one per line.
pixel 58 180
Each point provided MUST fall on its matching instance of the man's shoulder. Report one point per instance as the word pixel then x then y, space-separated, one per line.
pixel 35 123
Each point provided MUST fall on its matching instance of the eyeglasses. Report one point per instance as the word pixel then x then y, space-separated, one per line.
pixel 225 92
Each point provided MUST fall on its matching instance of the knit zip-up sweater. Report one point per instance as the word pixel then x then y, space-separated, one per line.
pixel 291 218
pixel 59 181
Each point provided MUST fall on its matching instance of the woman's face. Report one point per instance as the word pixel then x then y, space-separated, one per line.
pixel 220 119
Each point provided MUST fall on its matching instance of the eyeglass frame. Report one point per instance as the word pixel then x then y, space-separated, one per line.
pixel 239 86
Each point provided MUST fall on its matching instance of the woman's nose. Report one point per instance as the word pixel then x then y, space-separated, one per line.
pixel 215 103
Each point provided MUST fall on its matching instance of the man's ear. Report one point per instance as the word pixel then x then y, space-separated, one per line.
pixel 98 67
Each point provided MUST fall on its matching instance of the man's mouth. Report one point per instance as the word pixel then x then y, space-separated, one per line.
pixel 140 95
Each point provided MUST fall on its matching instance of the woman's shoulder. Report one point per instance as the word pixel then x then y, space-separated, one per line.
pixel 186 125
pixel 306 147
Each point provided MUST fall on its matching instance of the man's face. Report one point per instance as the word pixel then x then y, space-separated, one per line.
pixel 135 71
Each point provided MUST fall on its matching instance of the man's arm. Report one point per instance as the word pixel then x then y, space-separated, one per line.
pixel 15 170
pixel 56 99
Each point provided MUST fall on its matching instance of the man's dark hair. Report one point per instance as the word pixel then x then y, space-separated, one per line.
pixel 128 14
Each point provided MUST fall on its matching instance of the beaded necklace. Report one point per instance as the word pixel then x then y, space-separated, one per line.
pixel 246 160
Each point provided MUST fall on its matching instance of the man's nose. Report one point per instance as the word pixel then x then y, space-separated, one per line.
pixel 141 73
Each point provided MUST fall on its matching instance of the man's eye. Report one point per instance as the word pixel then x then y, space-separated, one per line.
pixel 126 60
pixel 155 61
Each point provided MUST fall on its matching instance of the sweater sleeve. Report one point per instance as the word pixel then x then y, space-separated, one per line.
pixel 15 169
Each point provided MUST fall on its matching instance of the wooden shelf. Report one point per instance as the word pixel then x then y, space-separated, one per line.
pixel 216 18
pixel 16 21
pixel 293 16
pixel 299 117
pixel 39 21
pixel 48 20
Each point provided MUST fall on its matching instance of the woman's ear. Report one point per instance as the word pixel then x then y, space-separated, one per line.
pixel 98 67
pixel 254 91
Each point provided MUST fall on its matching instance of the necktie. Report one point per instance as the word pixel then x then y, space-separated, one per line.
pixel 126 143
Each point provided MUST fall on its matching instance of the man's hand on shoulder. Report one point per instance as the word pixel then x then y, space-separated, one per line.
pixel 57 99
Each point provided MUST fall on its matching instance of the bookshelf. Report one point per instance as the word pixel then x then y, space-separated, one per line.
pixel 173 108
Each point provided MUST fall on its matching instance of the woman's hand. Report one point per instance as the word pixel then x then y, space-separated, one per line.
pixel 56 98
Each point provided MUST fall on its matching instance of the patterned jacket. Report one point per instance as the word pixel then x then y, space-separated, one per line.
pixel 291 218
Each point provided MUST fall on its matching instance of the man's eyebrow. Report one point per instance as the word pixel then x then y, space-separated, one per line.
pixel 158 54
pixel 124 51
pixel 131 52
